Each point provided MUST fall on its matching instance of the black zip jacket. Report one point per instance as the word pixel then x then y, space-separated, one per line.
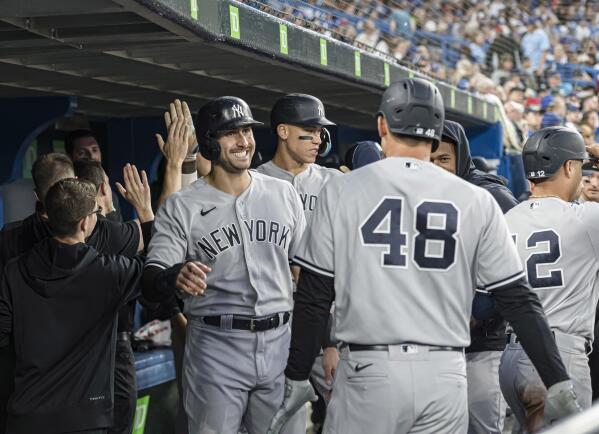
pixel 59 303
pixel 487 335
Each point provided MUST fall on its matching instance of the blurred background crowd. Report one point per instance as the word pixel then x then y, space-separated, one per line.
pixel 539 58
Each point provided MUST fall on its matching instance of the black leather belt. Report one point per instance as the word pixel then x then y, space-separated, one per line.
pixel 588 346
pixel 251 324
pixel 123 336
pixel 360 347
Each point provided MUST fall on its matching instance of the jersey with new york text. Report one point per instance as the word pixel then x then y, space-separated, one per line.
pixel 247 240
pixel 558 243
pixel 406 242
pixel 307 183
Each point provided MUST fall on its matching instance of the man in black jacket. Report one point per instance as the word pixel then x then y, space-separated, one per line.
pixel 107 237
pixel 59 303
pixel 486 406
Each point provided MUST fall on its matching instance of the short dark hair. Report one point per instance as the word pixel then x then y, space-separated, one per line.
pixel 67 202
pixel 69 142
pixel 49 169
pixel 90 170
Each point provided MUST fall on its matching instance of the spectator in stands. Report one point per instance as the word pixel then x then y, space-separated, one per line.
pixel 505 69
pixel 535 44
pixel 402 21
pixel 573 115
pixel 533 117
pixel 84 144
pixel 554 82
pixel 369 35
pixel 591 119
pixel 516 94
pixel 587 134
pixel 515 113
pixel 59 303
pixel 478 48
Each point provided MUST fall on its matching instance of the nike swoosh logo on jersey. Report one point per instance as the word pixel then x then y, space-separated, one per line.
pixel 359 367
pixel 203 213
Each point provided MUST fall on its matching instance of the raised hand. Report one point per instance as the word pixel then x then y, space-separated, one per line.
pixel 137 192
pixel 176 147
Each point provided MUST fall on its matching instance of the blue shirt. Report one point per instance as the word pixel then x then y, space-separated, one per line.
pixel 533 44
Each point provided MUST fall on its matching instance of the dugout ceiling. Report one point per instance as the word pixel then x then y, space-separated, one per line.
pixel 129 58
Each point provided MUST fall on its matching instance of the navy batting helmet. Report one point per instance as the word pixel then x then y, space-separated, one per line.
pixel 414 107
pixel 302 110
pixel 222 114
pixel 549 148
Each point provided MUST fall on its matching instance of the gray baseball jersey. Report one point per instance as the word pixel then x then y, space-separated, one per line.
pixel 558 243
pixel 405 242
pixel 246 240
pixel 307 183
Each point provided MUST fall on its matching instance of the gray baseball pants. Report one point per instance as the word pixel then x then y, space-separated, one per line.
pixel 232 377
pixel 407 389
pixel 486 406
pixel 524 390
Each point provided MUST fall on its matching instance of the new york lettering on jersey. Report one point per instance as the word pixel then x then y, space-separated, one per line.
pixel 216 241
pixel 307 183
pixel 558 244
pixel 239 237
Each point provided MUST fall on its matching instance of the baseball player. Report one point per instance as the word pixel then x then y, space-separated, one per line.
pixel 299 122
pixel 590 193
pixel 225 243
pixel 399 245
pixel 558 243
pixel 486 406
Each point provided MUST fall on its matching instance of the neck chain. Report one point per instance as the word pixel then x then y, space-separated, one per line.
pixel 543 196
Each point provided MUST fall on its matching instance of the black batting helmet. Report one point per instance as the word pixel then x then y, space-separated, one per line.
pixel 219 115
pixel 302 110
pixel 414 107
pixel 549 148
pixel 298 109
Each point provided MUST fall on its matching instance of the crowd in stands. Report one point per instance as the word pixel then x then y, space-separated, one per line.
pixel 540 58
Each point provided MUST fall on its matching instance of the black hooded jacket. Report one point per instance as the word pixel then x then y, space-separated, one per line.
pixel 59 303
pixel 488 335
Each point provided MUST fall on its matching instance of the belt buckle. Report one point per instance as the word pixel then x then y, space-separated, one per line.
pixel 252 325
pixel 408 349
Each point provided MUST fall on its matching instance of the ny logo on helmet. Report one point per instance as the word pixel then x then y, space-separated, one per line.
pixel 237 111
pixel 320 112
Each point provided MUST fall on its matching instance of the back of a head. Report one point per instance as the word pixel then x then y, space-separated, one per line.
pixel 414 107
pixel 90 170
pixel 546 151
pixel 67 202
pixel 49 169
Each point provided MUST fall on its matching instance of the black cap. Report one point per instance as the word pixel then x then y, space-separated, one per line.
pixel 219 115
pixel 549 148
pixel 414 107
pixel 298 109
pixel 590 167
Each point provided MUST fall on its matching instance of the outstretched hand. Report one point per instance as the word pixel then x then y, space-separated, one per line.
pixel 180 134
pixel 137 192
